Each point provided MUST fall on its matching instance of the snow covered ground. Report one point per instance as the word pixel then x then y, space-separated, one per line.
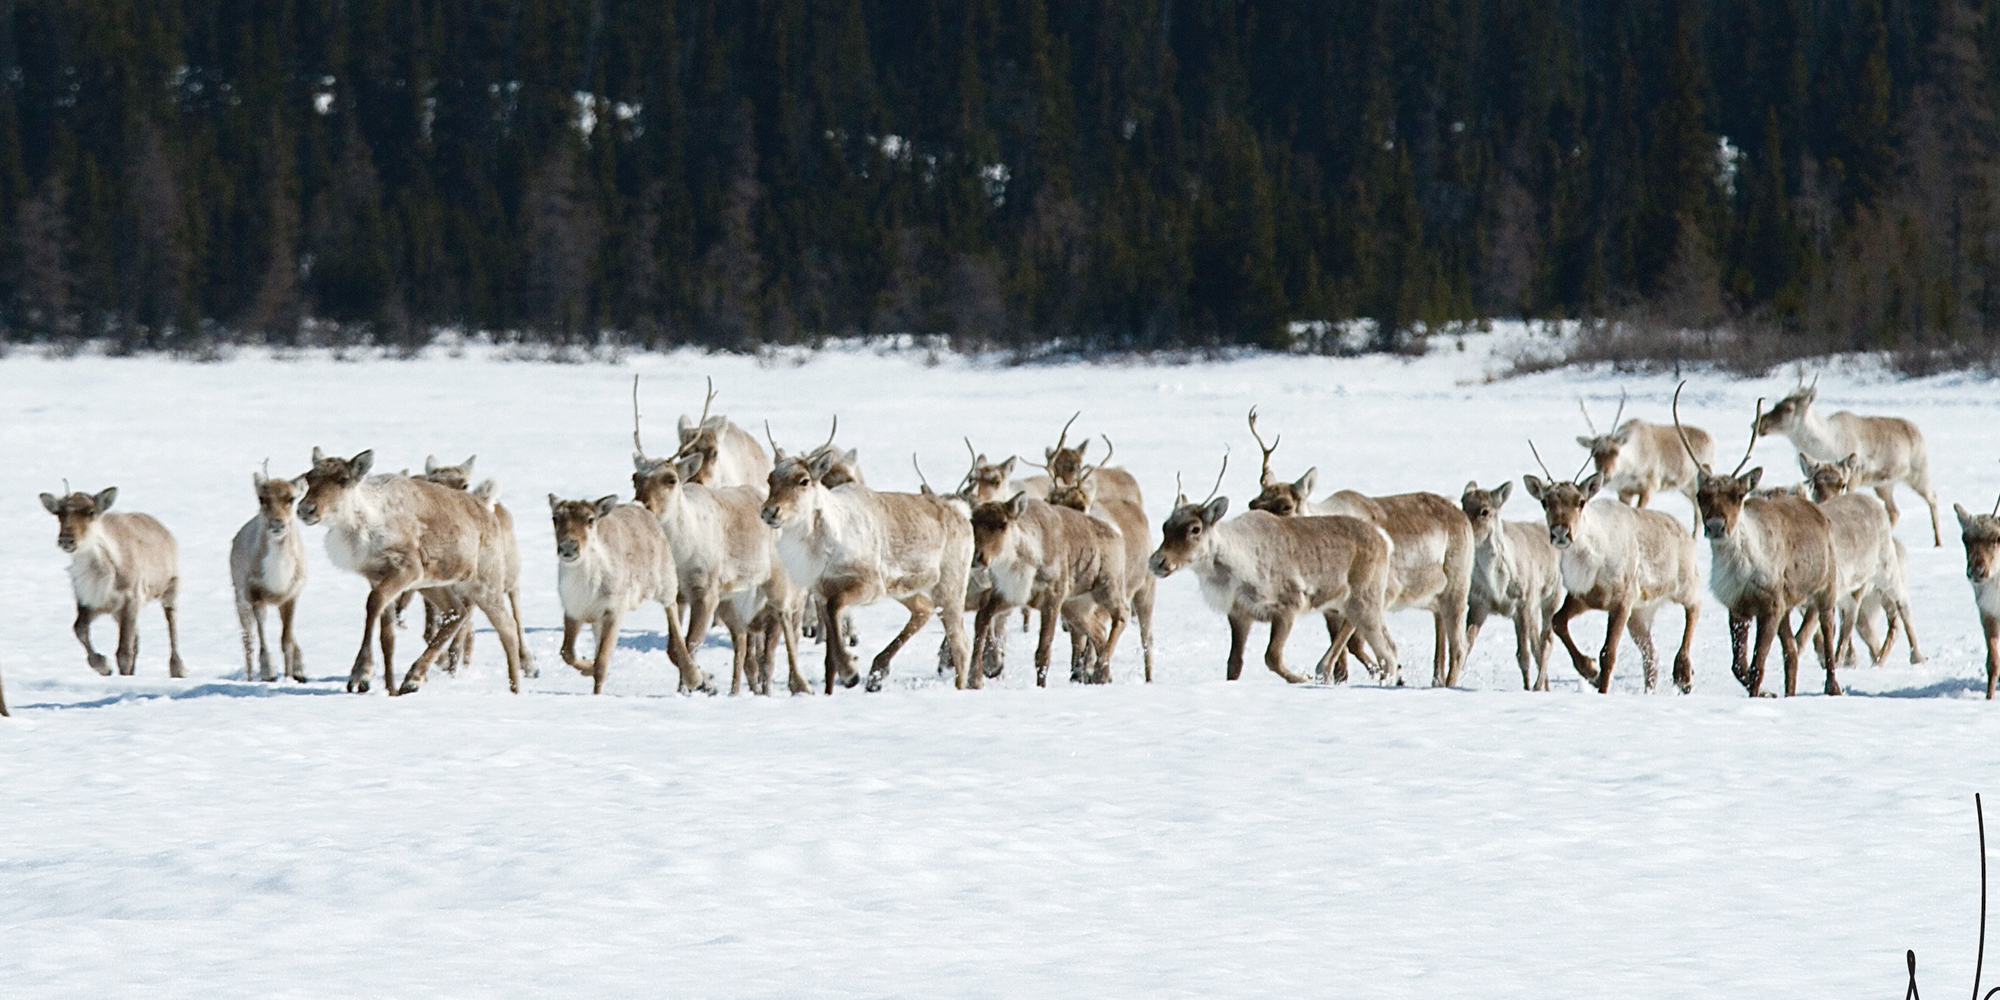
pixel 211 837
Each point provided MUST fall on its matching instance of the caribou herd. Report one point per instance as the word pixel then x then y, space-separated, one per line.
pixel 778 547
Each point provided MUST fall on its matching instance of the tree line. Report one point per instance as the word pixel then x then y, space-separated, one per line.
pixel 1079 175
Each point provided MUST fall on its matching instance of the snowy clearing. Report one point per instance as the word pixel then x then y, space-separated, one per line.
pixel 211 837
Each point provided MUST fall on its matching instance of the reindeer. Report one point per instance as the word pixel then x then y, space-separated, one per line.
pixel 1768 556
pixel 405 534
pixel 1887 450
pixel 1433 554
pixel 723 555
pixel 1517 573
pixel 611 558
pixel 1981 534
pixel 119 563
pixel 1065 467
pixel 853 546
pixel 267 564
pixel 1624 561
pixel 459 477
pixel 1872 561
pixel 729 455
pixel 1638 459
pixel 1130 520
pixel 1262 567
pixel 1060 562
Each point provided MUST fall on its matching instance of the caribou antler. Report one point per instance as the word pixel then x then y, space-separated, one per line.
pixel 830 434
pixel 1754 421
pixel 636 446
pixel 1682 432
pixel 1091 470
pixel 775 450
pixel 1587 422
pixel 920 473
pixel 1538 460
pixel 1218 476
pixel 1620 415
pixel 1263 473
pixel 1064 436
pixel 705 403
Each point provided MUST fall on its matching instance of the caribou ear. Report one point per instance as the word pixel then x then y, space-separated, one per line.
pixel 1305 483
pixel 257 479
pixel 1080 449
pixel 359 465
pixel 1806 464
pixel 317 454
pixel 1535 485
pixel 1047 453
pixel 853 457
pixel 105 498
pixel 1589 486
pixel 430 464
pixel 301 481
pixel 553 502
pixel 686 427
pixel 1214 511
pixel 639 461
pixel 469 459
pixel 1752 478
pixel 1850 461
pixel 1017 505
pixel 605 505
pixel 53 504
pixel 1965 517
pixel 1585 440
pixel 1501 492
pixel 689 466
pixel 1006 468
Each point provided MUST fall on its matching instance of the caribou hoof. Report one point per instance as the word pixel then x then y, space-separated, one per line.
pixel 407 688
pixel 100 664
pixel 357 686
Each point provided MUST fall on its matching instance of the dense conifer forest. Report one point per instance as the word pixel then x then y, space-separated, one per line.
pixel 1093 176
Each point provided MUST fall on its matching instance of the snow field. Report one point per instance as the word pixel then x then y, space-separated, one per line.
pixel 210 837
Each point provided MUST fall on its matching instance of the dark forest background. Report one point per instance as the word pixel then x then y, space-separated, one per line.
pixel 1096 175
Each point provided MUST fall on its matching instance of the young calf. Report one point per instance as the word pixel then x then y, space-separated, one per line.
pixel 119 563
pixel 611 558
pixel 1981 534
pixel 406 534
pixel 1262 567
pixel 267 564
pixel 1515 572
pixel 1059 561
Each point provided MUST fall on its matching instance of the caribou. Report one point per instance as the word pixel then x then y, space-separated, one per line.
pixel 1638 459
pixel 119 563
pixel 1886 450
pixel 1129 518
pixel 1981 534
pixel 611 558
pixel 852 546
pixel 1515 572
pixel 1432 558
pixel 1624 561
pixel 404 534
pixel 1872 560
pixel 1768 555
pixel 1263 567
pixel 1061 562
pixel 730 456
pixel 267 566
